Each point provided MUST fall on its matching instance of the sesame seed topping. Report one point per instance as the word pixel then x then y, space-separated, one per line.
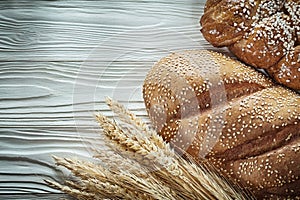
pixel 216 108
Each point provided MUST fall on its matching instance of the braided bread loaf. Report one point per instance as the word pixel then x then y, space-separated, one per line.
pixel 216 108
pixel 262 33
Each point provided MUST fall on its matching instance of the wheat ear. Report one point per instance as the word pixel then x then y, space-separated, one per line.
pixel 98 182
pixel 172 171
pixel 150 167
pixel 130 118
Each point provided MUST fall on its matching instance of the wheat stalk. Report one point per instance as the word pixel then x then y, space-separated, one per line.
pixel 150 168
pixel 187 168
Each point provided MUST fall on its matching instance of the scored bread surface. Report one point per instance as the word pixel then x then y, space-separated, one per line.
pixel 216 108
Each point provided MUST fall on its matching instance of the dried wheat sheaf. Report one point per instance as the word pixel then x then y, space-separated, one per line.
pixel 141 166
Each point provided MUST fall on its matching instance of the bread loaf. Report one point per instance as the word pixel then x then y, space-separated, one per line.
pixel 213 107
pixel 261 33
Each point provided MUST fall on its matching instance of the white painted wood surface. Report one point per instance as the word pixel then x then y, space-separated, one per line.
pixel 59 59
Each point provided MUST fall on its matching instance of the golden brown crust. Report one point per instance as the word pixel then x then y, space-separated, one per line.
pixel 276 167
pixel 267 43
pixel 222 25
pixel 169 90
pixel 292 7
pixel 211 3
pixel 287 70
pixel 270 30
pixel 216 108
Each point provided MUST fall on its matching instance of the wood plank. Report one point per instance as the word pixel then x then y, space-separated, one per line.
pixel 25 158
pixel 67 31
pixel 51 94
pixel 37 196
pixel 58 61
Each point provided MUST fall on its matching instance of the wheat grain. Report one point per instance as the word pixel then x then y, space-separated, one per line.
pixel 172 167
pixel 130 118
pixel 150 168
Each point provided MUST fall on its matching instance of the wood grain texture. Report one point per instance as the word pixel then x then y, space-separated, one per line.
pixel 58 61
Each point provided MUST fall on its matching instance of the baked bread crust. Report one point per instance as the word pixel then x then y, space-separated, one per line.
pixel 217 108
pixel 287 69
pixel 259 32
pixel 222 26
pixel 266 43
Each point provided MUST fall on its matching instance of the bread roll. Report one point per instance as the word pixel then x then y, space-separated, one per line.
pixel 260 33
pixel 216 108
